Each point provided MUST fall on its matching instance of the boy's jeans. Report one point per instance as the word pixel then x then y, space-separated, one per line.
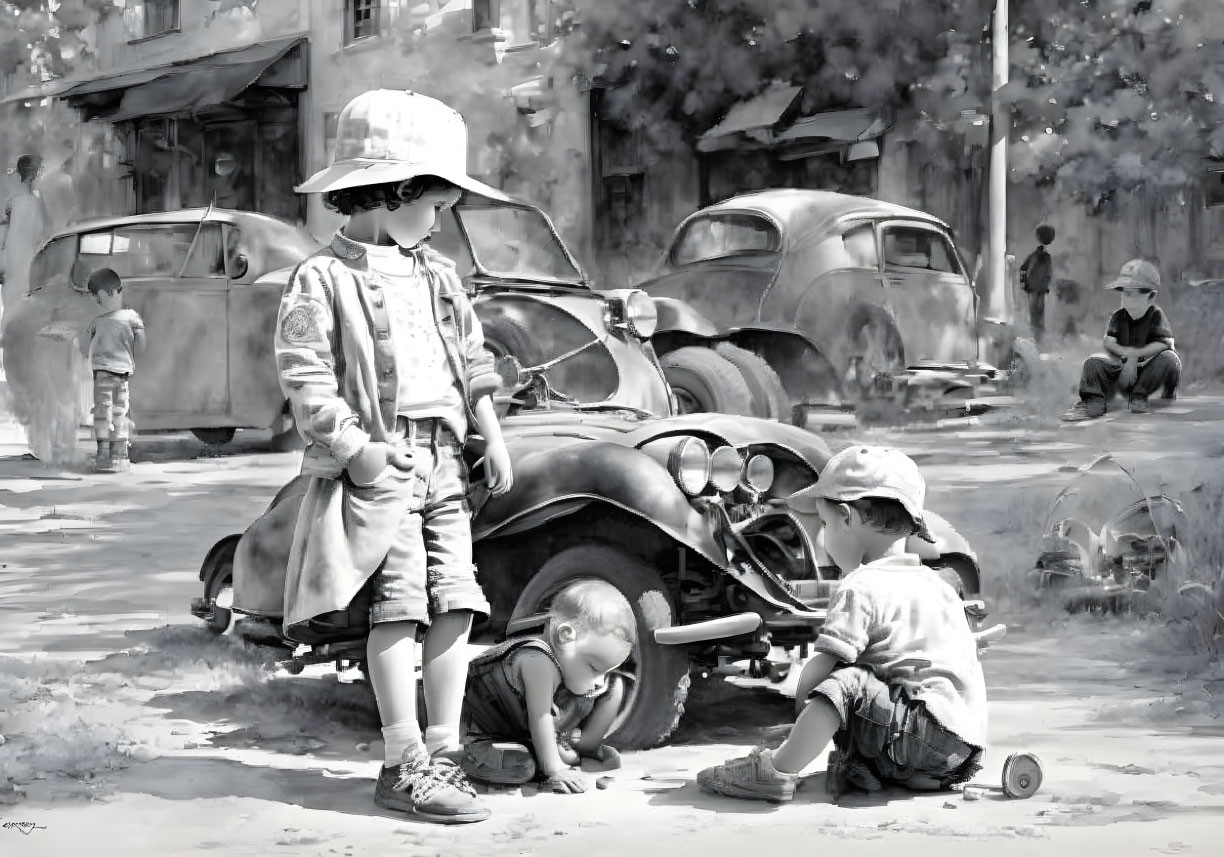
pixel 1099 378
pixel 110 405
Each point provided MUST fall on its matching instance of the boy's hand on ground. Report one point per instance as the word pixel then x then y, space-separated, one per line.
pixel 566 782
pixel 374 458
pixel 499 474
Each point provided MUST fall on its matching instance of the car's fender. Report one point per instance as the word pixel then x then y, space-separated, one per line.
pixel 677 316
pixel 552 480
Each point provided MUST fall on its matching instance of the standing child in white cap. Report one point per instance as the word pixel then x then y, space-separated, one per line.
pixel 383 361
pixel 895 681
pixel 1139 343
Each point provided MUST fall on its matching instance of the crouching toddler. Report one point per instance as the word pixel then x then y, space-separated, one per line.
pixel 526 696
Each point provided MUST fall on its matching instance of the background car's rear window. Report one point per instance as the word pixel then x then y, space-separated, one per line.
pixel 155 250
pixel 719 235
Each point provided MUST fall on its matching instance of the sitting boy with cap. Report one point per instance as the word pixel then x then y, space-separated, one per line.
pixel 895 682
pixel 1139 342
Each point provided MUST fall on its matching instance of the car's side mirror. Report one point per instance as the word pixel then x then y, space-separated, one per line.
pixel 238 267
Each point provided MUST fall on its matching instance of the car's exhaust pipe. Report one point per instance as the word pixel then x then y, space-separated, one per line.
pixel 711 629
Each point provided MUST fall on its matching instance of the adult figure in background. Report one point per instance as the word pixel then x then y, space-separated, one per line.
pixel 59 194
pixel 26 219
pixel 1035 274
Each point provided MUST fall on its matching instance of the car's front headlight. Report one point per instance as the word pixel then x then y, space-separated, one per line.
pixel 725 467
pixel 759 473
pixel 632 310
pixel 689 465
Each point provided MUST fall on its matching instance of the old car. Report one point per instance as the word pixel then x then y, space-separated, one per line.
pixel 780 299
pixel 690 516
pixel 194 277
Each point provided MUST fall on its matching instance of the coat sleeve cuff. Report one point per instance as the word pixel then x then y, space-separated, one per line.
pixel 839 649
pixel 347 444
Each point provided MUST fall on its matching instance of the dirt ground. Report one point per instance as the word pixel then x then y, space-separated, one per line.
pixel 131 731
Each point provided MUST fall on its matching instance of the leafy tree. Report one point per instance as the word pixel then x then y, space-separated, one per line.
pixel 1116 95
pixel 41 39
pixel 673 68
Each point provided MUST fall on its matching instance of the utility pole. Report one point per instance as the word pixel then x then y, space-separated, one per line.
pixel 999 126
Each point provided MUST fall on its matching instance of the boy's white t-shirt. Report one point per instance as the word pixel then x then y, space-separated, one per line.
pixel 898 618
pixel 427 385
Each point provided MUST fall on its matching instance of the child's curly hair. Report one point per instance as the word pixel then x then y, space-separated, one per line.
pixel 390 194
pixel 593 606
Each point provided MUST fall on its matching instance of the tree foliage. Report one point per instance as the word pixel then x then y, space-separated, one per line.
pixel 1106 95
pixel 1116 95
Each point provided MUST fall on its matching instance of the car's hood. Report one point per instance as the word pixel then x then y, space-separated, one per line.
pixel 561 427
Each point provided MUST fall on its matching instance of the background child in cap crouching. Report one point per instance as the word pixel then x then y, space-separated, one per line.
pixel 1139 343
pixel 115 338
pixel 895 681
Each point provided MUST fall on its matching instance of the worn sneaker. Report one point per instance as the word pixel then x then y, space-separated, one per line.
pixel 1139 405
pixel 435 789
pixel 753 777
pixel 497 763
pixel 1084 411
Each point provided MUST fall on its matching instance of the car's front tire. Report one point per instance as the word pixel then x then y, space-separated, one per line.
pixel 769 398
pixel 659 684
pixel 214 436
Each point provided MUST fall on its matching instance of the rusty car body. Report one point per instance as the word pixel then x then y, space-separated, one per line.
pixel 825 292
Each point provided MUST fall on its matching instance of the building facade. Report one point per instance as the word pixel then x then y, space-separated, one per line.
pixel 234 102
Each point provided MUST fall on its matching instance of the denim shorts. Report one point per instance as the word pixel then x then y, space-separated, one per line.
pixel 429 568
pixel 897 738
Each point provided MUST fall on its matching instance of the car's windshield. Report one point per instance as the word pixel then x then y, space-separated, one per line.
pixel 514 241
pixel 716 236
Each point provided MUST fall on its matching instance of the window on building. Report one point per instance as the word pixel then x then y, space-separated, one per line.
pixel 160 16
pixel 486 15
pixel 1215 185
pixel 362 19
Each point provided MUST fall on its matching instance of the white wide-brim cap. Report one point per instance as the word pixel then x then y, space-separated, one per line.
pixel 386 136
pixel 361 172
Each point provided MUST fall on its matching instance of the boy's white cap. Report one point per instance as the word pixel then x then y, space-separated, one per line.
pixel 870 471
pixel 392 135
pixel 1137 274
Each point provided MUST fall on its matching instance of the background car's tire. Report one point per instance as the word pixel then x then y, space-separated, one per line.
pixel 705 382
pixel 287 441
pixel 214 436
pixel 655 697
pixel 769 399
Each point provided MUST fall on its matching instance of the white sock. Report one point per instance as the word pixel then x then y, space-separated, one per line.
pixel 399 737
pixel 438 738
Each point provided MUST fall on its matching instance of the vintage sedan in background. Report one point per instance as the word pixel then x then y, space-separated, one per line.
pixel 786 298
pixel 194 277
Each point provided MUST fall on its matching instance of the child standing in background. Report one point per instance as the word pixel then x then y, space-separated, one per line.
pixel 115 338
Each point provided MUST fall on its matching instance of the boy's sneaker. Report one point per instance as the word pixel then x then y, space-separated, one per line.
pixel 753 777
pixel 1139 405
pixel 497 763
pixel 433 788
pixel 1084 411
